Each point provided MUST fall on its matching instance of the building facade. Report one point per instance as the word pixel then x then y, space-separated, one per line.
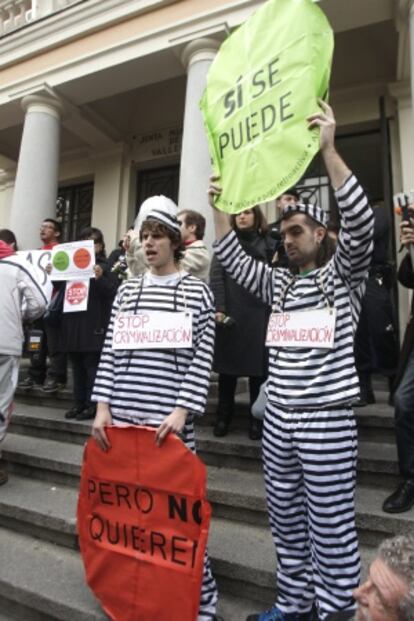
pixel 99 106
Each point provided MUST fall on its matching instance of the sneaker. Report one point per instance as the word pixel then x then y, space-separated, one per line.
pixel 73 412
pixel 52 385
pixel 87 413
pixel 4 477
pixel 26 384
pixel 401 500
pixel 275 614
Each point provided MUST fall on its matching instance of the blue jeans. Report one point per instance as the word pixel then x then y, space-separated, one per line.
pixel 404 420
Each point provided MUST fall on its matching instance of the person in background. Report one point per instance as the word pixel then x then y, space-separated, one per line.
pixel 289 198
pixel 376 342
pixel 20 290
pixel 196 259
pixel 83 333
pixel 117 262
pixel 402 499
pixel 9 238
pixel 388 592
pixel 241 320
pixel 52 377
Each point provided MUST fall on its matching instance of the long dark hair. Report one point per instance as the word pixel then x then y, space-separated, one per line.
pixel 326 248
pixel 259 224
pixel 97 236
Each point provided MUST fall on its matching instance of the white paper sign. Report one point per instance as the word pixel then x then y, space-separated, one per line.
pixel 73 261
pixel 38 260
pixel 76 296
pixel 310 328
pixel 153 330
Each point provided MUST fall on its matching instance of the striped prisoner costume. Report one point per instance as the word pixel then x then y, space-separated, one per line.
pixel 309 436
pixel 142 387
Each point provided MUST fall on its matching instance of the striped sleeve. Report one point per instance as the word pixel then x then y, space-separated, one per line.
pixel 353 255
pixel 104 381
pixel 253 275
pixel 194 387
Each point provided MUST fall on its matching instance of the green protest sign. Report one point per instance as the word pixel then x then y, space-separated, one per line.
pixel 261 87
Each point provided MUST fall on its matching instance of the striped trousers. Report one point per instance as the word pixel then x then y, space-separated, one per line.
pixel 310 469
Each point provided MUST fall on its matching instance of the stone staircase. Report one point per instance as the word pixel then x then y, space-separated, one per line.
pixel 41 574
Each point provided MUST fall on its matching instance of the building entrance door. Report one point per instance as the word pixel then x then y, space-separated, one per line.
pixel 158 181
pixel 74 209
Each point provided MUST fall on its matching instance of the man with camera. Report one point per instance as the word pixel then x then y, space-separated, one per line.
pixel 403 498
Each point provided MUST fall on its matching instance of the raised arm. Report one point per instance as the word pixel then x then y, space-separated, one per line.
pixel 353 255
pixel 221 219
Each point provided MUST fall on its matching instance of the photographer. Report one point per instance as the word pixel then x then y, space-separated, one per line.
pixel 403 498
pixel 241 321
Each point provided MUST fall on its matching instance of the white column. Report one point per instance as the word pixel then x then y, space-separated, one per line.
pixel 195 159
pixel 36 184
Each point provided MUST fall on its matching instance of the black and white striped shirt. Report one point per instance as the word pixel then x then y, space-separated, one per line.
pixel 144 386
pixel 305 377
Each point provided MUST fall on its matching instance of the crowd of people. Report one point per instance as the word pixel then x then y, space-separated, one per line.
pixel 298 264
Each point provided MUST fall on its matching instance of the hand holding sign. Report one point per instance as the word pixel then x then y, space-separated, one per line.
pixel 174 423
pixel 103 419
pixel 325 120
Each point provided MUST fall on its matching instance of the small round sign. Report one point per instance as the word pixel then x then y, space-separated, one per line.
pixel 82 258
pixel 76 292
pixel 61 261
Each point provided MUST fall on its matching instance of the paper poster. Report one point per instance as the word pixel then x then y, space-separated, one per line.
pixel 76 296
pixel 153 330
pixel 143 522
pixel 310 328
pixel 264 82
pixel 73 260
pixel 38 260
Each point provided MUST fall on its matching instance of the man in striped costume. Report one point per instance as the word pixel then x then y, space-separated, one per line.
pixel 309 434
pixel 164 388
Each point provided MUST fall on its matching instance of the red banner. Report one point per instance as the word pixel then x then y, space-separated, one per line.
pixel 143 522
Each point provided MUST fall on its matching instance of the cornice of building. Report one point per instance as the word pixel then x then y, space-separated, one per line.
pixel 75 22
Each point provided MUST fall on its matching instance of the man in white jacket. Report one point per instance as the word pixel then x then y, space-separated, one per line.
pixel 22 299
pixel 196 260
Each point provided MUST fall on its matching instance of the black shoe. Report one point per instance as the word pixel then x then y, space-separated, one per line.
pixel 221 428
pixel 87 413
pixel 401 500
pixel 73 412
pixel 367 397
pixel 51 386
pixel 255 429
pixel 27 384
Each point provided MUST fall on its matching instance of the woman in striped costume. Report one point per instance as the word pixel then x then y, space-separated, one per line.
pixel 164 388
pixel 309 435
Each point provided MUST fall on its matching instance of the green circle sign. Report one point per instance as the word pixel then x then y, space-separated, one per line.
pixel 61 261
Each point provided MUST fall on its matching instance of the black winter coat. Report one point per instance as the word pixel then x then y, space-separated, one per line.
pixel 406 278
pixel 240 350
pixel 85 331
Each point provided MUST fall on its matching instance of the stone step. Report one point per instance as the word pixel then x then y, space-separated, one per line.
pixel 377 462
pixel 45 582
pixel 375 422
pixel 45 506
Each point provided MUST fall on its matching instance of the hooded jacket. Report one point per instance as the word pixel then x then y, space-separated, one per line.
pixel 18 284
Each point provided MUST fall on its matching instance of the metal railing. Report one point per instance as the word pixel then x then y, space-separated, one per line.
pixel 15 14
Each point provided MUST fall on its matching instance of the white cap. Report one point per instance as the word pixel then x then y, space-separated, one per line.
pixel 158 203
